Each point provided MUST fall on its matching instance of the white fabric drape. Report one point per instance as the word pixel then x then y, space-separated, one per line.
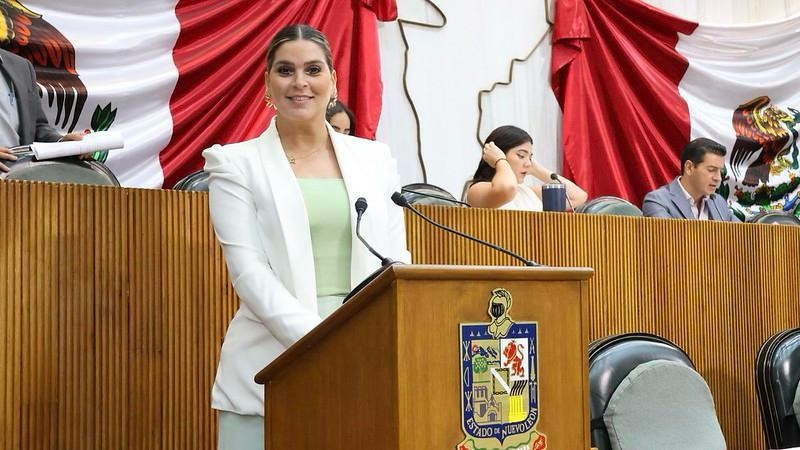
pixel 138 89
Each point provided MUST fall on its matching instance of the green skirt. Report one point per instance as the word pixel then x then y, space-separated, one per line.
pixel 238 432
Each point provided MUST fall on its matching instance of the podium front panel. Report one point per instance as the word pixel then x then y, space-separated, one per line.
pixel 342 393
pixel 393 368
pixel 430 379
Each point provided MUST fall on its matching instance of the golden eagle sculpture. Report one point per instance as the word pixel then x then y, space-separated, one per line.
pixel 763 133
pixel 27 34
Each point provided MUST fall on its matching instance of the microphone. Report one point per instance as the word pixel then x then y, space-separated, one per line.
pixel 554 177
pixel 361 206
pixel 399 200
pixel 439 197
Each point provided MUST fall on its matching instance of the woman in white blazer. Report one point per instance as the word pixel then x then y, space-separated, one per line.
pixel 271 198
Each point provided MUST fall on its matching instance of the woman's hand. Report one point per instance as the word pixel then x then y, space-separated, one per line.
pixel 539 171
pixel 501 188
pixel 492 154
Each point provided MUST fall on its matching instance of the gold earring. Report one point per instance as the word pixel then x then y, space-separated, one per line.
pixel 332 103
pixel 268 100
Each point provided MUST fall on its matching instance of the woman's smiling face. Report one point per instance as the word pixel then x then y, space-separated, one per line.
pixel 300 82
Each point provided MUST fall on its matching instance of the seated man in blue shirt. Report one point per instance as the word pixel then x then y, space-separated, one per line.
pixel 691 195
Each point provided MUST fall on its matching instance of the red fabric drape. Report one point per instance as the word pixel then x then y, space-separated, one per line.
pixel 615 72
pixel 220 56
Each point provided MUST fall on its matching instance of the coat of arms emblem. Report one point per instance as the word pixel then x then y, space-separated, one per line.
pixel 499 381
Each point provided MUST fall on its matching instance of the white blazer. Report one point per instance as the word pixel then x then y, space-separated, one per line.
pixel 260 220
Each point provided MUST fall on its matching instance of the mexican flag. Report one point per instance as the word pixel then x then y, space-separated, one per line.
pixel 635 84
pixel 177 77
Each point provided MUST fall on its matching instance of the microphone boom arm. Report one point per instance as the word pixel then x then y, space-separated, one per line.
pixel 385 261
pixel 400 201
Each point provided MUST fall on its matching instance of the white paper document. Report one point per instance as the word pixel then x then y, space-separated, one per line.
pixel 92 142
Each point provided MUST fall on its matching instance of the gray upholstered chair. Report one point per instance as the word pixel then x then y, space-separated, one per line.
pixel 645 394
pixel 61 170
pixel 195 181
pixel 778 388
pixel 428 194
pixel 608 205
pixel 775 217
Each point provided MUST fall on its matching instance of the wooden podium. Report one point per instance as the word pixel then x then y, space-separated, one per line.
pixel 387 370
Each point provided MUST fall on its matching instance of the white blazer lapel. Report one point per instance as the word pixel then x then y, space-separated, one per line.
pixel 362 263
pixel 291 213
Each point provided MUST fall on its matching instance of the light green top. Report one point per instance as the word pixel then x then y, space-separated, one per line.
pixel 329 219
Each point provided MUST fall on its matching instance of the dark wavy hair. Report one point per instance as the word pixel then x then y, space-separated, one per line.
pixel 298 32
pixel 341 107
pixel 505 138
pixel 696 150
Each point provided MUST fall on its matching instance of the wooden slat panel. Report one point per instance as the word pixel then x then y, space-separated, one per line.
pixel 114 303
pixel 717 290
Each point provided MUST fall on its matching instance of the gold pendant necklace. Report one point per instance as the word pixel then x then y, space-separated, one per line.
pixel 293 159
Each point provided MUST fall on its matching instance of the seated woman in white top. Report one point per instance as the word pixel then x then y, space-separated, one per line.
pixel 507 159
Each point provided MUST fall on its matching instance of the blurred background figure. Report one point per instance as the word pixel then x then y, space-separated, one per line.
pixel 22 119
pixel 341 118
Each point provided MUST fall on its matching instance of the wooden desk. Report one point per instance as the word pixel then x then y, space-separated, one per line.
pixel 717 290
pixel 393 368
pixel 114 303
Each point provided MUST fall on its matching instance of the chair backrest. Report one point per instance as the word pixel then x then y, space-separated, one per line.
pixel 612 360
pixel 775 217
pixel 777 378
pixel 195 181
pixel 428 194
pixel 608 205
pixel 61 170
pixel 663 405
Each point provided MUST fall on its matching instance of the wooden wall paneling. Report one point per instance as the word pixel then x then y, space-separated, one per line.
pixel 8 319
pixel 717 290
pixel 114 304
